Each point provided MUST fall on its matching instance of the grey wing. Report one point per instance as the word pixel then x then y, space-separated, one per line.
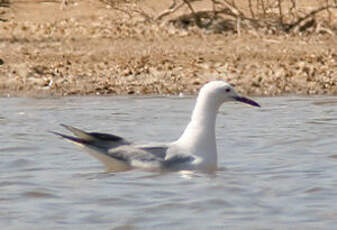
pixel 135 157
pixel 149 157
pixel 115 152
pixel 178 161
pixel 156 150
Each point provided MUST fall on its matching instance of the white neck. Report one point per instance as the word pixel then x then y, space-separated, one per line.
pixel 199 135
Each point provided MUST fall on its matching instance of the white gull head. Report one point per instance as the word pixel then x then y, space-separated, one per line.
pixel 199 138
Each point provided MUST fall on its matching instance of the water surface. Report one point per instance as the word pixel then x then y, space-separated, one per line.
pixel 277 166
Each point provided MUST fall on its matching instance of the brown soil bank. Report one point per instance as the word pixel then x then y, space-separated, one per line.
pixel 89 48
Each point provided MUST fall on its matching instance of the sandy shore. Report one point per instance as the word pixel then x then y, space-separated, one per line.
pixel 87 48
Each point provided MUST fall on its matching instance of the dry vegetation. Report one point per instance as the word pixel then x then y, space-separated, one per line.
pixel 264 47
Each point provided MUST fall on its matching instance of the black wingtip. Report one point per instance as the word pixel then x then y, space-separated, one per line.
pixel 65 126
pixel 56 133
pixel 70 138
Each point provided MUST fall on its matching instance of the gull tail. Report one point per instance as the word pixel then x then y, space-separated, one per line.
pixel 98 145
pixel 101 141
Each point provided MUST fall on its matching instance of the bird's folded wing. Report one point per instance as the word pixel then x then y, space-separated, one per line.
pixel 135 157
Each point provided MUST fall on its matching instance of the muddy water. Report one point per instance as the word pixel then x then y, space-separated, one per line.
pixel 277 166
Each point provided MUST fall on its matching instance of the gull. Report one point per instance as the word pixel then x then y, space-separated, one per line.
pixel 196 148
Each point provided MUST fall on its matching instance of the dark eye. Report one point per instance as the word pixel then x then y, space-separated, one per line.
pixel 228 90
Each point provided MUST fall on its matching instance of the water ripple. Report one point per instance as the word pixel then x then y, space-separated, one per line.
pixel 277 167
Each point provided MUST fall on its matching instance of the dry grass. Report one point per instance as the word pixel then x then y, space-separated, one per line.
pixel 88 48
